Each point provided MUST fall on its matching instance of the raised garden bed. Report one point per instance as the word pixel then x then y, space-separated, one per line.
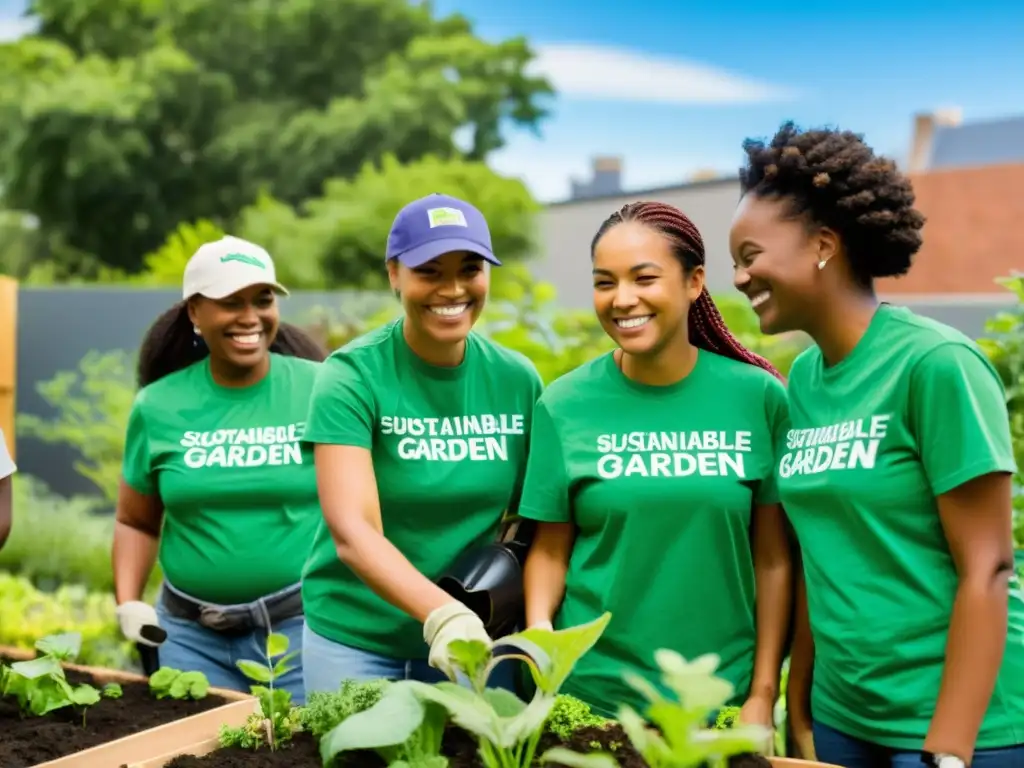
pixel 127 723
pixel 378 724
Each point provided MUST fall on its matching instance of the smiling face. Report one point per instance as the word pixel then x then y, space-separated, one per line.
pixel 776 257
pixel 238 329
pixel 444 297
pixel 642 294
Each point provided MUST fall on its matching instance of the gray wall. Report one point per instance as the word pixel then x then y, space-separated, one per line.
pixel 58 326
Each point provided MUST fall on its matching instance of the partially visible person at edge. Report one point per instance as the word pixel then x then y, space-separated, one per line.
pixel 216 478
pixel 651 476
pixel 7 470
pixel 421 431
pixel 896 472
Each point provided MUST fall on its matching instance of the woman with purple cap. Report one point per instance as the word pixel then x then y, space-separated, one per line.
pixel 420 430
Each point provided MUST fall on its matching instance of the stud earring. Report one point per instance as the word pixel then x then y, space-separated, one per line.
pixel 197 332
pixel 821 264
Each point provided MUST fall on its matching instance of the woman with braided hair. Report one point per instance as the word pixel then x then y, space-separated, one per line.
pixel 650 474
pixel 895 471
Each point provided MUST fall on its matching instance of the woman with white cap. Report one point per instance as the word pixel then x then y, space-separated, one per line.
pixel 420 430
pixel 216 478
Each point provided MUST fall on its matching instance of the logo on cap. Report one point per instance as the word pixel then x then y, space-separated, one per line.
pixel 244 258
pixel 446 217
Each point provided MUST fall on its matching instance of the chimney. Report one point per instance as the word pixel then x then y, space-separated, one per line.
pixel 925 124
pixel 606 179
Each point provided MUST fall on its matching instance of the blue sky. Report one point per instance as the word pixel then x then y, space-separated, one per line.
pixel 674 86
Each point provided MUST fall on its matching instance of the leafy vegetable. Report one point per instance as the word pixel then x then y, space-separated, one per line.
pixel 407 723
pixel 401 727
pixel 278 720
pixel 569 714
pixel 684 741
pixel 40 685
pixel 169 683
pixel 323 711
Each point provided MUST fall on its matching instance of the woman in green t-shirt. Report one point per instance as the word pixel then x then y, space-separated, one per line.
pixel 651 476
pixel 896 472
pixel 216 479
pixel 420 430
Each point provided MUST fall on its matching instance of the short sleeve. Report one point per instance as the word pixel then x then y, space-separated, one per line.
pixel 137 466
pixel 959 418
pixel 777 413
pixel 7 466
pixel 545 487
pixel 341 407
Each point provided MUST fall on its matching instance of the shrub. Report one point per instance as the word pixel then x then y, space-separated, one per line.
pixel 28 614
pixel 1004 345
pixel 41 550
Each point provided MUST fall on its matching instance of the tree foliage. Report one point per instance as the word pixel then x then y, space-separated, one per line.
pixel 122 118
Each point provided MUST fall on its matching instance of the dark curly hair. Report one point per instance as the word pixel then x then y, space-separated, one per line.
pixel 707 329
pixel 836 180
pixel 170 345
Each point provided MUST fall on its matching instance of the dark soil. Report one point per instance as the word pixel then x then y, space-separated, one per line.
pixel 458 745
pixel 27 741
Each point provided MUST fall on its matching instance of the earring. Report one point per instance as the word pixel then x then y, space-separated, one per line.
pixel 197 332
pixel 821 264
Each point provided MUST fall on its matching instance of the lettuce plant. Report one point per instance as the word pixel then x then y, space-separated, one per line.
pixel 170 683
pixel 684 741
pixel 40 685
pixel 405 727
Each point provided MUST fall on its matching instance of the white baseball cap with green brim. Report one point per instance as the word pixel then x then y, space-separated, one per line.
pixel 223 267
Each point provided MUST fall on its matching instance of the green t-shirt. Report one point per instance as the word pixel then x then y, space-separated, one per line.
pixel 660 483
pixel 913 412
pixel 237 484
pixel 449 451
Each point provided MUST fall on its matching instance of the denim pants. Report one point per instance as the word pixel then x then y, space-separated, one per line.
pixel 832 746
pixel 327 664
pixel 192 647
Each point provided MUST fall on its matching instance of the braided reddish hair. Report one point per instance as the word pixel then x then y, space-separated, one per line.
pixel 707 329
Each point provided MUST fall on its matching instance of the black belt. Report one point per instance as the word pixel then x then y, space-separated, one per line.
pixel 264 613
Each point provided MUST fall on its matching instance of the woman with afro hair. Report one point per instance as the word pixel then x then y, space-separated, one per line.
pixel 895 472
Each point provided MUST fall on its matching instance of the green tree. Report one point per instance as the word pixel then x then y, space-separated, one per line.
pixel 123 118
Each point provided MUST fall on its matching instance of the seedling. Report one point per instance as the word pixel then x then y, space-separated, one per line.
pixel 40 685
pixel 170 683
pixel 279 721
pixel 684 740
pixel 407 724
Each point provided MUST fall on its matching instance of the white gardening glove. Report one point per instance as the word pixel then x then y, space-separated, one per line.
pixel 452 621
pixel 139 623
pixel 542 625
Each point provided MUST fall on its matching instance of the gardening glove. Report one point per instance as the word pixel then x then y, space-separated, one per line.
pixel 542 625
pixel 140 624
pixel 452 621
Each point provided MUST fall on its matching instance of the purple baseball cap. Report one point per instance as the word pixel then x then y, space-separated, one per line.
pixel 435 225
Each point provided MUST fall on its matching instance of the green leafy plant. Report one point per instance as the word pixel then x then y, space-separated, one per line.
pixel 682 739
pixel 277 720
pixel 170 683
pixel 506 728
pixel 323 711
pixel 1004 345
pixel 40 684
pixel 569 714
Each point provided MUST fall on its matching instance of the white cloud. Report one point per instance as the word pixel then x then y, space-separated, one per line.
pixel 13 28
pixel 617 74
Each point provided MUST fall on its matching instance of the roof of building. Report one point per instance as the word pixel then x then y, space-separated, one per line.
pixel 974 232
pixel 988 142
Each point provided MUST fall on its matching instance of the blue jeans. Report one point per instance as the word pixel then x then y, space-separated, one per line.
pixel 192 647
pixel 835 747
pixel 327 664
